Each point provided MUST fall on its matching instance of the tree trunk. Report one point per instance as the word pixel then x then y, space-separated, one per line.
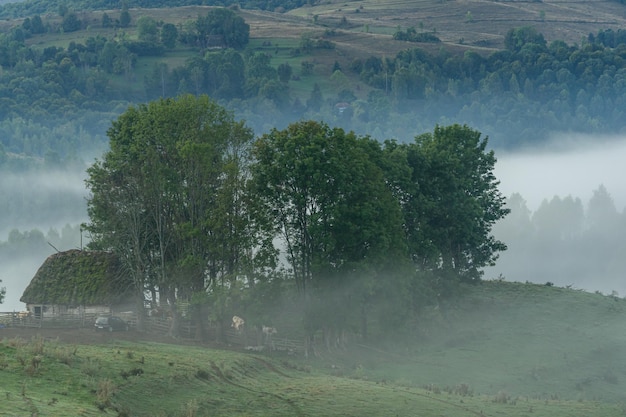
pixel 201 320
pixel 174 316
pixel 364 321
pixel 141 325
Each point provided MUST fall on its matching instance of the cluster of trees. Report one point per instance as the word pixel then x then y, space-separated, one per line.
pixel 62 99
pixel 35 242
pixel 22 252
pixel 202 212
pixel 66 96
pixel 565 242
pixel 525 91
pixel 13 10
pixel 40 193
pixel 609 38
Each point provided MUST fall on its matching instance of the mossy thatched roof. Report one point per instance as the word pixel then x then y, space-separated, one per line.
pixel 78 277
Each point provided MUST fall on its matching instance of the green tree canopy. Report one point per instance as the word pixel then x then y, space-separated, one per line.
pixel 168 197
pixel 147 29
pixel 169 35
pixel 450 201
pixel 222 27
pixel 338 222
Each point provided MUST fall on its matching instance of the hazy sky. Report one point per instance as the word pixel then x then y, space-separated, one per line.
pixel 576 166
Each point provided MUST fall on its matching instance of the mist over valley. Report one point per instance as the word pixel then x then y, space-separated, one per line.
pixel 345 222
pixel 572 166
pixel 567 164
pixel 568 214
pixel 42 212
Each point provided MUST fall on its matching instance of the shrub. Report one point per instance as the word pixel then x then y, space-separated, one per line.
pixel 106 390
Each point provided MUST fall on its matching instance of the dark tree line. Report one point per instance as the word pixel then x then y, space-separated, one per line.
pixel 203 213
pixel 527 90
pixel 517 95
pixel 55 84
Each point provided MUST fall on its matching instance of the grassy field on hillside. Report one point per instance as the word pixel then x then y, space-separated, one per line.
pixel 503 349
pixel 359 29
pixel 520 340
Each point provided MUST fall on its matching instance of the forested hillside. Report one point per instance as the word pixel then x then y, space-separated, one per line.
pixel 66 74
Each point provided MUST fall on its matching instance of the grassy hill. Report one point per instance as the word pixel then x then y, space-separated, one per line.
pixel 502 349
pixel 525 340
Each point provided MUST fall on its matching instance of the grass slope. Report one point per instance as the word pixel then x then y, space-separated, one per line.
pixel 503 349
pixel 518 341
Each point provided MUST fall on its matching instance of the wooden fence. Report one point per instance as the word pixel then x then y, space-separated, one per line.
pixel 250 339
pixel 19 319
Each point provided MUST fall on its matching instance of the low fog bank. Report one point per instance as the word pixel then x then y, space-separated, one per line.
pixel 16 275
pixel 40 208
pixel 23 254
pixel 566 165
pixel 568 215
pixel 42 199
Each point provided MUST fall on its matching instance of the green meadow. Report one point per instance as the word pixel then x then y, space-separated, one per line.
pixel 499 349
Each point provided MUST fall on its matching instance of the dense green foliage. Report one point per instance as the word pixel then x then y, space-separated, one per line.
pixel 325 193
pixel 412 35
pixel 230 30
pixel 168 199
pixel 195 217
pixel 523 93
pixel 451 200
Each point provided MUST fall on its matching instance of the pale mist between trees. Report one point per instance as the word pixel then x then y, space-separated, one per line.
pixel 566 227
pixel 568 220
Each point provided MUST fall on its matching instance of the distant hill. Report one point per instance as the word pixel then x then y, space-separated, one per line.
pixel 462 24
pixel 465 24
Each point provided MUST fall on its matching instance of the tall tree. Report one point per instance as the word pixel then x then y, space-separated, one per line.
pixel 125 17
pixel 452 202
pixel 169 35
pixel 168 196
pixel 118 219
pixel 147 29
pixel 338 223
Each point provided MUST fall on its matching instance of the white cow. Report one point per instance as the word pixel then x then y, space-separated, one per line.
pixel 237 323
pixel 268 332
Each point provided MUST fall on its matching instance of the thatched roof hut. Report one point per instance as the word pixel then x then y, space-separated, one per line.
pixel 79 278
